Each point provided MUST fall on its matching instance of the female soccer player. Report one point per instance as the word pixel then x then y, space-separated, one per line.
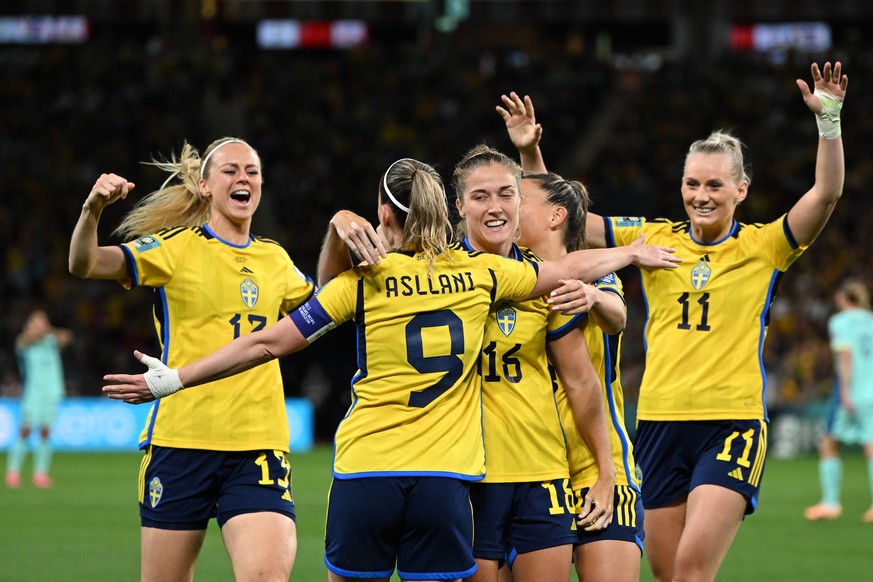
pixel 524 509
pixel 412 439
pixel 217 453
pixel 529 464
pixel 553 212
pixel 850 411
pixel 702 431
pixel 38 348
pixel 702 428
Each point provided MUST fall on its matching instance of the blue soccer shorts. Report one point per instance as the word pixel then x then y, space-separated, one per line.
pixel 677 456
pixel 423 526
pixel 181 489
pixel 627 518
pixel 517 518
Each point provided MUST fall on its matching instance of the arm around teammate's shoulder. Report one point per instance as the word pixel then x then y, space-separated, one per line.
pixel 592 264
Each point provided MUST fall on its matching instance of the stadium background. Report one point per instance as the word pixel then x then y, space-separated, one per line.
pixel 620 87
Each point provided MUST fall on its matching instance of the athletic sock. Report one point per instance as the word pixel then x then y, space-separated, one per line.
pixel 16 453
pixel 870 479
pixel 42 457
pixel 831 474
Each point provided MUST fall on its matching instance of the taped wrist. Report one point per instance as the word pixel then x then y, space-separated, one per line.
pixel 163 381
pixel 828 119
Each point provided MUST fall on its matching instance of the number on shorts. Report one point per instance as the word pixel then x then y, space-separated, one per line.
pixel 261 462
pixel 569 498
pixel 743 461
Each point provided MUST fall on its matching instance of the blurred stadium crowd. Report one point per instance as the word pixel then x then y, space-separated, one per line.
pixel 327 122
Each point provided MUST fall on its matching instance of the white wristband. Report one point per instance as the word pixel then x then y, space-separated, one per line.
pixel 161 380
pixel 828 119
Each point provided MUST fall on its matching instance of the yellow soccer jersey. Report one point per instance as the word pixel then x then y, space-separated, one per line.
pixel 524 440
pixel 707 319
pixel 416 398
pixel 604 351
pixel 208 292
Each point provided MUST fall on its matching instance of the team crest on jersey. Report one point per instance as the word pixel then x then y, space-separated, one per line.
pixel 628 221
pixel 700 275
pixel 249 291
pixel 506 319
pixel 156 489
pixel 145 243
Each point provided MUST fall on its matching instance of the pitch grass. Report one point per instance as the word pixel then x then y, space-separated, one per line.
pixel 87 527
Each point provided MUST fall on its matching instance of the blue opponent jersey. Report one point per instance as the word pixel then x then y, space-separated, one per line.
pixel 852 330
pixel 41 369
pixel 416 399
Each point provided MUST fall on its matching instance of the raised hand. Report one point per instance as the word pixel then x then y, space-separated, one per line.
pixel 521 122
pixel 107 189
pixel 830 80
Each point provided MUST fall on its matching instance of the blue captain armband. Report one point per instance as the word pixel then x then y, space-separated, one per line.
pixel 312 320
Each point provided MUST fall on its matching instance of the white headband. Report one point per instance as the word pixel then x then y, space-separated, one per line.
pixel 215 149
pixel 385 184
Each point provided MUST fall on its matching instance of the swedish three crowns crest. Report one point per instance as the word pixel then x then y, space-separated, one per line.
pixel 700 274
pixel 156 490
pixel 249 291
pixel 506 319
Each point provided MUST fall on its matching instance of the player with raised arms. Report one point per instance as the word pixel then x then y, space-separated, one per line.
pixel 553 212
pixel 702 418
pixel 413 434
pixel 217 453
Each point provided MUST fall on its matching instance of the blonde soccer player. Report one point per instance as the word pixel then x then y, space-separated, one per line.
pixel 219 453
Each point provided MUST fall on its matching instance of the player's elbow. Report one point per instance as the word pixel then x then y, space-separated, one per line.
pixel 267 353
pixel 612 327
pixel 79 268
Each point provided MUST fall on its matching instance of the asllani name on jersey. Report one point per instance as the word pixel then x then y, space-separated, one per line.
pixel 409 285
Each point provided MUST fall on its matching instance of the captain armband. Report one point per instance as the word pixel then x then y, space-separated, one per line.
pixel 312 320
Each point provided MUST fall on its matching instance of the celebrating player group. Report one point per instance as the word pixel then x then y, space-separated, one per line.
pixel 485 439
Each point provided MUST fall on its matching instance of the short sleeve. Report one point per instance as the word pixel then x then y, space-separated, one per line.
pixel 152 259
pixel 515 280
pixel 622 230
pixel 299 286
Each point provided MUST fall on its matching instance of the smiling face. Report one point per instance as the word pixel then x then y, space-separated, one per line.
pixel 711 195
pixel 536 216
pixel 232 185
pixel 489 205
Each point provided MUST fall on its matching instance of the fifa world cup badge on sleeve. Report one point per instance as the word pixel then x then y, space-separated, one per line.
pixel 145 243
